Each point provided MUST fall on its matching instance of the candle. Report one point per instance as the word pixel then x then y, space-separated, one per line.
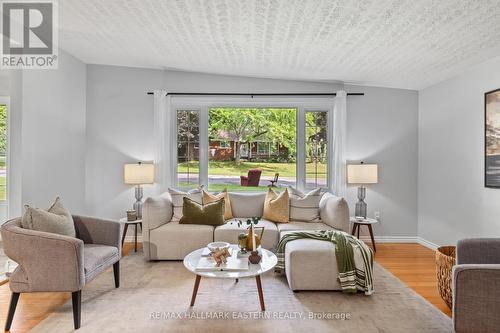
pixel 253 240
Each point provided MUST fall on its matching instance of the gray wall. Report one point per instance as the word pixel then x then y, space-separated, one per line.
pixel 120 123
pixel 53 134
pixel 453 202
pixel 79 125
pixel 119 130
pixel 382 128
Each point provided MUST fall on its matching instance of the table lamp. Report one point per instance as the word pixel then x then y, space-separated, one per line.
pixel 362 174
pixel 138 174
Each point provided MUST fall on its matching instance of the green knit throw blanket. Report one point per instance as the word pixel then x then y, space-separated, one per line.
pixel 354 258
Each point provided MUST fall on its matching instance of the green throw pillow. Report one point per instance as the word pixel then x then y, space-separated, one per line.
pixel 209 214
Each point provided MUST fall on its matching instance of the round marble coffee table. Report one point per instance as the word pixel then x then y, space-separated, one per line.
pixel 269 260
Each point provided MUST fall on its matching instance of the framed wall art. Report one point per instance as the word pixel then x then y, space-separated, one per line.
pixel 492 138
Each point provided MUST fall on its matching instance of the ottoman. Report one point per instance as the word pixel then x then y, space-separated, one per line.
pixel 311 265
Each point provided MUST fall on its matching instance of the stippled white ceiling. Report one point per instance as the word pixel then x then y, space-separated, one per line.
pixel 398 43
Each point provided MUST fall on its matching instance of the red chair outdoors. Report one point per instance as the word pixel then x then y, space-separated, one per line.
pixel 252 179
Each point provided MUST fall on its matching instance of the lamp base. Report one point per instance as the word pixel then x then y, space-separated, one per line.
pixel 138 201
pixel 360 209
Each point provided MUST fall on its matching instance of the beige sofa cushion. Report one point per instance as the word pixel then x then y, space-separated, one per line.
pixel 244 205
pixel 56 219
pixel 301 226
pixel 305 206
pixel 177 200
pixel 157 211
pixel 334 211
pixel 277 206
pixel 229 232
pixel 311 265
pixel 173 241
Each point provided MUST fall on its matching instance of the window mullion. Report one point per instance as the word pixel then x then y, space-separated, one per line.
pixel 203 144
pixel 301 149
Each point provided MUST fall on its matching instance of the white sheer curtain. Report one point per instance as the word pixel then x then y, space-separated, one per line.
pixel 338 124
pixel 163 119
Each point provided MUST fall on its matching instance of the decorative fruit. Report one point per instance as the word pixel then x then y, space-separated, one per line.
pixel 249 240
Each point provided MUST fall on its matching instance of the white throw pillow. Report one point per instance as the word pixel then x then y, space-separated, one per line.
pixel 178 200
pixel 305 207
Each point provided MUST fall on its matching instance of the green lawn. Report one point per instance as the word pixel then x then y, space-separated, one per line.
pixel 230 168
pixel 3 182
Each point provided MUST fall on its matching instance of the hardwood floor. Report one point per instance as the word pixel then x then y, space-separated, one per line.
pixel 33 308
pixel 411 263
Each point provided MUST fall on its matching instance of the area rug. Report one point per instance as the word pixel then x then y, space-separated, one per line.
pixel 155 296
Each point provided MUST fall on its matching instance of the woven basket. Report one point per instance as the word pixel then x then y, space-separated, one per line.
pixel 445 260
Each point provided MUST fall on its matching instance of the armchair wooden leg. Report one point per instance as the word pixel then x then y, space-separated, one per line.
pixel 76 298
pixel 116 271
pixel 12 309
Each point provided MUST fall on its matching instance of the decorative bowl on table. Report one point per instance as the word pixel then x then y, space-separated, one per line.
pixel 215 246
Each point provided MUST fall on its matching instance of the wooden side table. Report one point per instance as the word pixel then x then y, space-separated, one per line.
pixel 356 225
pixel 136 223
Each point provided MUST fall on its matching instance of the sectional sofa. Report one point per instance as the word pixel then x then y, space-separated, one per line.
pixel 164 239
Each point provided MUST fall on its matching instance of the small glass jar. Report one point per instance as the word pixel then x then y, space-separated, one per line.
pixel 242 242
pixel 131 215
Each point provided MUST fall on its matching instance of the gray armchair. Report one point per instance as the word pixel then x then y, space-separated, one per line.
pixel 55 263
pixel 476 286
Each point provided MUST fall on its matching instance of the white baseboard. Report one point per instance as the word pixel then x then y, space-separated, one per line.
pixel 390 239
pixel 402 239
pixel 427 243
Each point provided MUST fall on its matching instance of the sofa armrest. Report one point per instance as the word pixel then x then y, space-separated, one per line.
pixel 478 251
pixel 47 261
pixel 155 213
pixel 92 230
pixel 476 298
pixel 334 211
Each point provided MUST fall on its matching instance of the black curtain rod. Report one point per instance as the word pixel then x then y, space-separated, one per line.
pixel 257 94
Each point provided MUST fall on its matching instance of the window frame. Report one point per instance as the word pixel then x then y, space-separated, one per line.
pixel 329 146
pixel 5 100
pixel 176 131
pixel 205 103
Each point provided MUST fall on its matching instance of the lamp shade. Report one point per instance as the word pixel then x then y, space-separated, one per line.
pixel 362 173
pixel 138 173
